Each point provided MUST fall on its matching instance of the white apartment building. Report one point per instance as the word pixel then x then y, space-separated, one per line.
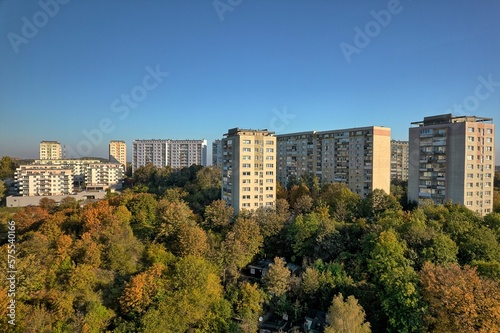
pixel 37 180
pixel 249 168
pixel 453 159
pixel 174 153
pixel 358 157
pixel 50 150
pixel 118 152
pixel 400 153
pixel 101 176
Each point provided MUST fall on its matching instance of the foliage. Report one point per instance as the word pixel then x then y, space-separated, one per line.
pixel 346 316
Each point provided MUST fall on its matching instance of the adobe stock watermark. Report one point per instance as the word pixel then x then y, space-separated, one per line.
pixel 280 120
pixel 222 6
pixel 11 273
pixel 363 37
pixel 483 91
pixel 31 26
pixel 121 106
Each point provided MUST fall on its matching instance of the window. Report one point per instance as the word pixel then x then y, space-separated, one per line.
pixel 247 150
pixel 470 175
pixel 469 203
pixel 246 142
pixel 246 204
pixel 269 180
pixel 246 197
pixel 269 165
pixel 269 150
pixel 269 188
pixel 488 175
pixel 246 157
pixel 470 148
pixel 487 184
pixel 246 189
pixel 246 165
pixel 488 131
pixel 246 181
pixel 470 185
pixel 246 173
pixel 470 129
pixel 470 166
pixel 270 158
pixel 489 148
pixel 489 140
pixel 470 157
pixel 269 196
pixel 269 173
pixel 488 157
pixel 470 138
pixel 269 142
pixel 488 166
pixel 469 194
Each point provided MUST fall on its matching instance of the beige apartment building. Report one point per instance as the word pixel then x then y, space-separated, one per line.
pixel 101 176
pixel 50 150
pixel 249 168
pixel 400 153
pixel 357 157
pixel 38 180
pixel 118 152
pixel 453 159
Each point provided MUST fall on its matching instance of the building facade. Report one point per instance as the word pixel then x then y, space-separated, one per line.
pixel 41 180
pixel 357 157
pixel 118 152
pixel 101 176
pixel 400 153
pixel 217 153
pixel 174 153
pixel 453 159
pixel 249 168
pixel 50 150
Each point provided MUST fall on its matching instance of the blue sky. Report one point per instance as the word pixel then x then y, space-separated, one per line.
pixel 71 68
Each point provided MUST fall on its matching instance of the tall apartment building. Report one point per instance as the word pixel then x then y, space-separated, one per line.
pixel 400 153
pixel 78 167
pixel 50 150
pixel 217 153
pixel 174 153
pixel 357 157
pixel 453 158
pixel 35 180
pixel 118 152
pixel 249 168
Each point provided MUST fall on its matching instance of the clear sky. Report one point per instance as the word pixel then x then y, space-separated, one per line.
pixel 86 72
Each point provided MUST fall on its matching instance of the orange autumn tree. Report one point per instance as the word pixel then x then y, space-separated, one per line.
pixel 459 300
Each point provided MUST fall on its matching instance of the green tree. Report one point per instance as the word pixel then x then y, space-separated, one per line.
pixel 346 316
pixel 218 215
pixel 378 202
pixel 7 167
pixel 249 306
pixel 394 274
pixel 2 190
pixel 343 203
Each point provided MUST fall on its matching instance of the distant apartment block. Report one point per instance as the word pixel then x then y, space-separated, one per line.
pixel 249 168
pixel 61 177
pixel 101 176
pixel 217 153
pixel 400 153
pixel 453 159
pixel 118 152
pixel 35 180
pixel 50 150
pixel 357 157
pixel 174 153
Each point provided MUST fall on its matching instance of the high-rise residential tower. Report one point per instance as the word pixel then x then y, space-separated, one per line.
pixel 399 160
pixel 249 168
pixel 174 153
pixel 118 152
pixel 50 150
pixel 452 158
pixel 217 153
pixel 357 157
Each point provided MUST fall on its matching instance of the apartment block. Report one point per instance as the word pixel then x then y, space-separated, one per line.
pixel 174 153
pixel 400 153
pixel 249 168
pixel 101 176
pixel 50 150
pixel 78 167
pixel 118 152
pixel 357 157
pixel 453 159
pixel 217 153
pixel 37 180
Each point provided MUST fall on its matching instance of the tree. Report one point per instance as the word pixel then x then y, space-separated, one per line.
pixel 378 202
pixel 249 306
pixel 48 204
pixel 7 167
pixel 459 300
pixel 277 279
pixel 2 190
pixel 346 316
pixel 343 203
pixel 218 215
pixel 393 272
pixel 191 240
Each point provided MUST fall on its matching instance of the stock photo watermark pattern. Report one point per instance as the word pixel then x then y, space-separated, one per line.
pixel 121 106
pixel 11 273
pixel 222 6
pixel 32 25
